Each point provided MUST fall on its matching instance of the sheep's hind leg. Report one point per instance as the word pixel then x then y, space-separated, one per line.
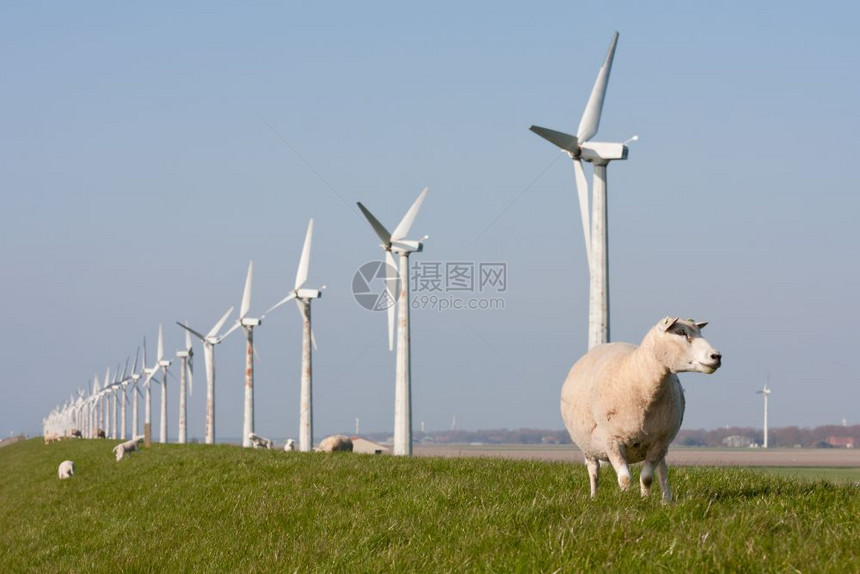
pixel 593 474
pixel 619 463
pixel 646 477
pixel 663 479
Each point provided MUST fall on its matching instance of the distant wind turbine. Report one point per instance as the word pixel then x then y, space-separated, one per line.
pixel 186 374
pixel 765 392
pixel 579 148
pixel 395 242
pixel 135 391
pixel 209 341
pixel 303 298
pixel 150 373
pixel 163 363
pixel 247 323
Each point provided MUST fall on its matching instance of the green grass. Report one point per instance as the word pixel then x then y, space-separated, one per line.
pixel 197 508
pixel 837 474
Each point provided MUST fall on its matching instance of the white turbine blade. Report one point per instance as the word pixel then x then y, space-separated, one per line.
pixel 190 330
pixel 304 262
pixel 187 338
pixel 160 354
pixel 565 141
pixel 391 289
pixel 406 223
pixel 582 191
pixel 591 117
pixel 377 227
pixel 134 365
pixel 190 367
pixel 235 326
pixel 219 324
pixel 281 302
pixel 246 296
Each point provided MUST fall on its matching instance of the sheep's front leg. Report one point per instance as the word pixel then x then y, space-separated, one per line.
pixel 593 474
pixel 663 479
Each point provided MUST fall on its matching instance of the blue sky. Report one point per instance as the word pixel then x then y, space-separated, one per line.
pixel 147 153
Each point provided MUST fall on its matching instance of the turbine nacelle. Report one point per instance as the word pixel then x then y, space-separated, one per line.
pixel 308 293
pixel 250 322
pixel 599 152
pixel 407 246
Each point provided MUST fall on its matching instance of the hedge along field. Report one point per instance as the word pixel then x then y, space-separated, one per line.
pixel 223 508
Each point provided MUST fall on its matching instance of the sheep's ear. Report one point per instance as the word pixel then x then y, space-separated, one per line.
pixel 668 322
pixel 701 324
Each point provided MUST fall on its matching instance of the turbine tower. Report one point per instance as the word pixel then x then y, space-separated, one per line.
pixel 247 323
pixel 764 391
pixel 135 378
pixel 303 298
pixel 186 374
pixel 395 242
pixel 163 363
pixel 147 386
pixel 599 154
pixel 209 341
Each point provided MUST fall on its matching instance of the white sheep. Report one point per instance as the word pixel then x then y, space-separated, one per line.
pixel 67 469
pixel 290 446
pixel 624 403
pixel 335 443
pixel 259 441
pixel 127 447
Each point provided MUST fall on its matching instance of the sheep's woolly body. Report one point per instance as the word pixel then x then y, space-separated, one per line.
pixel 66 469
pixel 624 404
pixel 335 443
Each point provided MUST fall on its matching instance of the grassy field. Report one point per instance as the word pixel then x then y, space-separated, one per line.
pixel 176 508
pixel 816 473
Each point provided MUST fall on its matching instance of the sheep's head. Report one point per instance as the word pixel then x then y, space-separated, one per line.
pixel 682 348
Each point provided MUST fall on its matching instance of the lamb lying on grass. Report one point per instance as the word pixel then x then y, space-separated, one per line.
pixel 335 443
pixel 625 404
pixel 67 469
pixel 127 447
pixel 260 442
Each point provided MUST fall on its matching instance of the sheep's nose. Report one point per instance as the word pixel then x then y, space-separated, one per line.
pixel 717 356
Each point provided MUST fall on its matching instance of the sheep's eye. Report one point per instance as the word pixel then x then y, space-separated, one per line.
pixel 681 332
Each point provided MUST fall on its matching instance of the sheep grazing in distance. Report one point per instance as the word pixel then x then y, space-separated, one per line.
pixel 260 442
pixel 67 469
pixel 624 403
pixel 51 437
pixel 127 447
pixel 76 433
pixel 335 443
pixel 290 446
pixel 100 433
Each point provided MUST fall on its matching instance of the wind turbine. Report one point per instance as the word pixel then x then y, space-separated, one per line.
pixel 303 298
pixel 395 242
pixel 186 375
pixel 247 323
pixel 580 148
pixel 135 377
pixel 163 363
pixel 209 341
pixel 764 391
pixel 147 386
pixel 123 385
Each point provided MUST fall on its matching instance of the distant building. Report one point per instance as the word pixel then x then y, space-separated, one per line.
pixel 362 445
pixel 737 441
pixel 840 441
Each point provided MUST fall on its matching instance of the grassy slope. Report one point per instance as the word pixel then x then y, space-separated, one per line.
pixel 222 508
